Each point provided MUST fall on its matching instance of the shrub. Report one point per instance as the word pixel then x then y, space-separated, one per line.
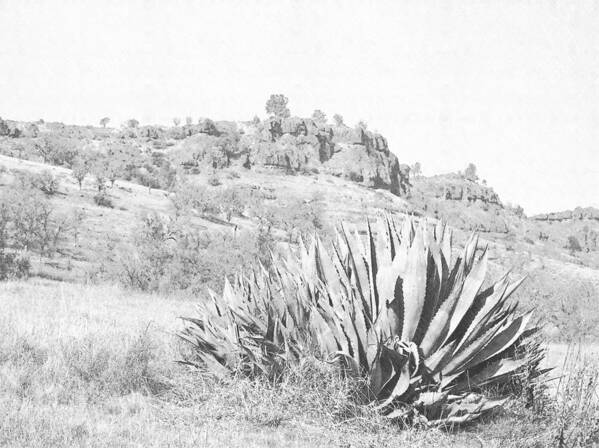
pixel 28 221
pixel 4 129
pixel 300 218
pixel 57 150
pixel 573 245
pixel 214 180
pixel 427 338
pixel 45 182
pixel 232 201
pixel 198 199
pixel 189 198
pixel 103 200
pixel 355 177
pixel 169 255
pixel 13 265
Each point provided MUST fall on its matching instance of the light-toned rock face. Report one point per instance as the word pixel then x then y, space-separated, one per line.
pixel 455 188
pixel 352 153
pixel 299 145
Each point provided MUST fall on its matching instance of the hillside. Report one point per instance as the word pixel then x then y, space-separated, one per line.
pixel 288 176
pixel 108 236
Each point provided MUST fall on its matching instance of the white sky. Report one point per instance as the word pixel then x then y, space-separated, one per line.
pixel 512 86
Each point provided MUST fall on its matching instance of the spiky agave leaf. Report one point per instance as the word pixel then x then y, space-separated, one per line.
pixel 249 327
pixel 391 307
pixel 400 285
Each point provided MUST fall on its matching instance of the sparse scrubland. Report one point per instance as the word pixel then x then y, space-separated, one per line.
pixel 109 236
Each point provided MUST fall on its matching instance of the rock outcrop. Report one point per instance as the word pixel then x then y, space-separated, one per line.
pixel 579 213
pixel 463 203
pixel 454 187
pixel 299 145
pixel 353 153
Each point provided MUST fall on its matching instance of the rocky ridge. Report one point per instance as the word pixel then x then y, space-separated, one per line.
pixel 579 213
pixel 297 145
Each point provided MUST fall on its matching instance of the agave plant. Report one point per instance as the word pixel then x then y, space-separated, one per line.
pixel 392 307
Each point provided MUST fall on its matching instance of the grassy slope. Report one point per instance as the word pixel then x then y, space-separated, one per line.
pixel 103 229
pixel 93 366
pixel 563 290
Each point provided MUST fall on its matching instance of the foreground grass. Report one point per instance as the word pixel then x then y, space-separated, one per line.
pixel 93 366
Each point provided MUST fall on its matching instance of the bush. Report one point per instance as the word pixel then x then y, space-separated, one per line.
pixel 103 200
pixel 13 265
pixel 57 150
pixel 573 245
pixel 355 177
pixel 46 182
pixel 230 201
pixel 297 217
pixel 214 180
pixel 169 255
pixel 29 222
pixel 189 198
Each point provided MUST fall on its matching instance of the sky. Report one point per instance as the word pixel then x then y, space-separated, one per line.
pixel 512 86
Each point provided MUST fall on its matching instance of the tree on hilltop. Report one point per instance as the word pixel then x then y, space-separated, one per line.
pixel 277 106
pixel 176 121
pixel 104 121
pixel 132 123
pixel 470 173
pixel 319 117
pixel 338 119
pixel 417 169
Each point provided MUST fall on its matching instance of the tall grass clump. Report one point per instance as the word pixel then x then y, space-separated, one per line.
pixel 575 409
pixel 396 310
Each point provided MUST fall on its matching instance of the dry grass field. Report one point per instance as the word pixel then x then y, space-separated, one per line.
pixel 95 366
